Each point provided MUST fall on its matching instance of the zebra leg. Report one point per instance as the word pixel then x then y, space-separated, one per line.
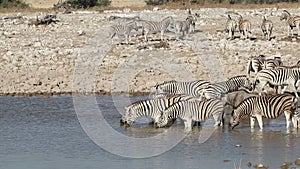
pixel 288 119
pixel 295 122
pixel 188 124
pixel 260 121
pixel 252 122
pixel 162 35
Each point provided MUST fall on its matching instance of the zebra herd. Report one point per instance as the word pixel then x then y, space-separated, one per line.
pixel 196 101
pixel 125 25
pixel 244 25
pixel 235 22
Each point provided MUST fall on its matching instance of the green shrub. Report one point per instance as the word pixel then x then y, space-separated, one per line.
pixel 12 3
pixel 103 2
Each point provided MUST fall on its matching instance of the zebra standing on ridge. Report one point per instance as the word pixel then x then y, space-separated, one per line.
pixel 244 26
pixel 266 27
pixel 123 29
pixel 279 77
pixel 192 88
pixel 150 108
pixel 220 89
pixel 231 26
pixel 154 27
pixel 292 21
pixel 190 111
pixel 264 106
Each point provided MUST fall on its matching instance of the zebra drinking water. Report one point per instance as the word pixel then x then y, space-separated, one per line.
pixel 190 111
pixel 279 77
pixel 218 90
pixel 155 27
pixel 192 88
pixel 266 27
pixel 123 29
pixel 150 108
pixel 264 106
pixel 292 21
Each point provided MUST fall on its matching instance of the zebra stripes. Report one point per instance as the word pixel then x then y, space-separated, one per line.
pixel 150 108
pixel 292 21
pixel 192 88
pixel 279 77
pixel 267 27
pixel 218 90
pixel 264 106
pixel 190 111
pixel 154 27
pixel 183 27
pixel 259 63
pixel 244 26
pixel 231 26
pixel 123 29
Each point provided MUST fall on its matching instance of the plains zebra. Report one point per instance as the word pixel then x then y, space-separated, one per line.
pixel 190 111
pixel 123 29
pixel 150 108
pixel 182 27
pixel 218 90
pixel 259 63
pixel 231 26
pixel 296 118
pixel 192 88
pixel 154 27
pixel 244 26
pixel 192 20
pixel 266 27
pixel 298 63
pixel 292 21
pixel 264 106
pixel 279 77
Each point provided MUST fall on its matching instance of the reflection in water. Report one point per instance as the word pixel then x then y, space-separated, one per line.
pixel 45 132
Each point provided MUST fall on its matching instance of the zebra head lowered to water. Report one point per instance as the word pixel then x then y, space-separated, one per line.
pixel 190 111
pixel 150 108
pixel 271 106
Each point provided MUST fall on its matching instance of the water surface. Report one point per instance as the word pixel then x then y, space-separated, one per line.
pixel 42 133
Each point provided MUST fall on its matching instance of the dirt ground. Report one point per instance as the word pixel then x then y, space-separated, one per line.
pixel 44 59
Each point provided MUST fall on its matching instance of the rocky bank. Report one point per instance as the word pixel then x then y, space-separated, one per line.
pixel 44 59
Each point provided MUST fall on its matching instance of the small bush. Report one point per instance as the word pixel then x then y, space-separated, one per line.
pixel 103 2
pixel 12 3
pixel 156 2
pixel 87 3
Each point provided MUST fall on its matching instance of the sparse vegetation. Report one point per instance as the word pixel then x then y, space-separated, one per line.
pixel 87 3
pixel 161 2
pixel 12 4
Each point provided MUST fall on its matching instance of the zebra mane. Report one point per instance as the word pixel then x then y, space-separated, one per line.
pixel 167 18
pixel 285 11
pixel 237 77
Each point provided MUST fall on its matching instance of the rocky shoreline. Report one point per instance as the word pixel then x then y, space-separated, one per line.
pixel 42 60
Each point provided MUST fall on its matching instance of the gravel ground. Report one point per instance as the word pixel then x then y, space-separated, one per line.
pixel 76 54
